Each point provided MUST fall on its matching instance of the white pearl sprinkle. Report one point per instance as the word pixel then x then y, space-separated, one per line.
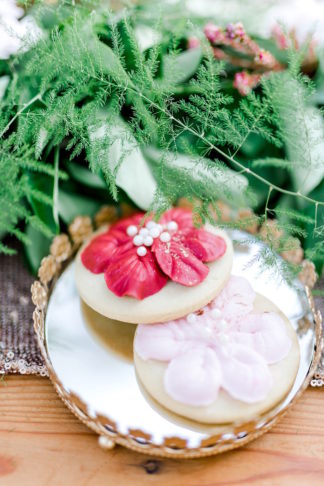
pixel 131 230
pixel 191 318
pixel 207 331
pixel 138 240
pixel 215 313
pixel 223 338
pixel 165 237
pixel 144 232
pixel 141 251
pixel 172 226
pixel 148 240
pixel 222 324
pixel 150 225
pixel 155 232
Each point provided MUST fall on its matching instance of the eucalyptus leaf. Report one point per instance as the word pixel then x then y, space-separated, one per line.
pixel 302 130
pixel 179 68
pixel 71 205
pixel 85 176
pixel 37 248
pixel 44 212
pixel 4 81
pixel 146 36
pixel 124 158
pixel 307 178
pixel 210 179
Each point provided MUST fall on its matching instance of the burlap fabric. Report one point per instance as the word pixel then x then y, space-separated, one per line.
pixel 18 348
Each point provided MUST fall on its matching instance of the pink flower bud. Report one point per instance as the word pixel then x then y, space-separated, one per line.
pixel 193 42
pixel 212 32
pixel 245 82
pixel 280 37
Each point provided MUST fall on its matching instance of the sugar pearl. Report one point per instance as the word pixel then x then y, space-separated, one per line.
pixel 191 318
pixel 131 230
pixel 222 324
pixel 150 225
pixel 165 237
pixel 138 240
pixel 155 232
pixel 223 338
pixel 215 313
pixel 141 251
pixel 144 232
pixel 207 331
pixel 148 240
pixel 172 226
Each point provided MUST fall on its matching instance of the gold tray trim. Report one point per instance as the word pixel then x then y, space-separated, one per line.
pixel 137 440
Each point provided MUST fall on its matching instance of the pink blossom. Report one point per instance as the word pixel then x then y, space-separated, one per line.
pixel 223 346
pixel 212 32
pixel 193 42
pixel 245 82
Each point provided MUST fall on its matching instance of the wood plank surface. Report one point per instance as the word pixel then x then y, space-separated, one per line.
pixel 42 443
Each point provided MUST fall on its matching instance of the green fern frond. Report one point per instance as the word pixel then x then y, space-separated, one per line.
pixel 90 70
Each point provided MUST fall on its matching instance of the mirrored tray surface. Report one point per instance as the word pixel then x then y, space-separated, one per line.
pixel 93 372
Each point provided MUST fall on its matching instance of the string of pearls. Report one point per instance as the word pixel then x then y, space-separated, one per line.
pixel 145 236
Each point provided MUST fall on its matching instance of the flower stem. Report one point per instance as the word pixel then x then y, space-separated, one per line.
pixel 228 157
pixel 19 112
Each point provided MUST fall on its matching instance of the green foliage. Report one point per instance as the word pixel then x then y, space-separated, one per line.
pixel 87 97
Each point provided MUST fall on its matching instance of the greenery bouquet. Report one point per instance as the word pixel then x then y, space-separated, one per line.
pixel 151 106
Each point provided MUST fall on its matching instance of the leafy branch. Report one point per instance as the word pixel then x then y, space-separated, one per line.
pixel 87 92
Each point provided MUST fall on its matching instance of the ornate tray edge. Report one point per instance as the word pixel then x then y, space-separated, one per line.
pixel 62 252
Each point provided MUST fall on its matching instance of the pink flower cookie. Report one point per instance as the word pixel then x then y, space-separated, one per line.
pixel 225 350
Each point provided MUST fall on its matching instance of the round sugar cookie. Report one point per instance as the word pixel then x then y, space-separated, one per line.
pixel 171 302
pixel 224 409
pixel 118 338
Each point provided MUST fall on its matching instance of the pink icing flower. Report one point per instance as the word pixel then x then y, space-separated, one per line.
pixel 225 346
pixel 137 260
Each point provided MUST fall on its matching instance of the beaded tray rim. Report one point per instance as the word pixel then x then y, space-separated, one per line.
pixel 62 253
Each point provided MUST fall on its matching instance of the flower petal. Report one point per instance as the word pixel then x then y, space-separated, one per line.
pixel 158 341
pixel 133 275
pixel 97 255
pixel 123 223
pixel 204 245
pixel 179 263
pixel 194 377
pixel 265 333
pixel 183 218
pixel 236 299
pixel 246 375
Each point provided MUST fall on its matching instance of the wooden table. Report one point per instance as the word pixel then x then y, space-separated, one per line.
pixel 42 443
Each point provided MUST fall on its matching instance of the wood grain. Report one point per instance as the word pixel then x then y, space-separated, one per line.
pixel 42 443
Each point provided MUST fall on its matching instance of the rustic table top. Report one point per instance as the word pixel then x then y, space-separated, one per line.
pixel 42 443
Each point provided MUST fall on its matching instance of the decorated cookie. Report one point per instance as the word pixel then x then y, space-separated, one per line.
pixel 230 361
pixel 139 270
